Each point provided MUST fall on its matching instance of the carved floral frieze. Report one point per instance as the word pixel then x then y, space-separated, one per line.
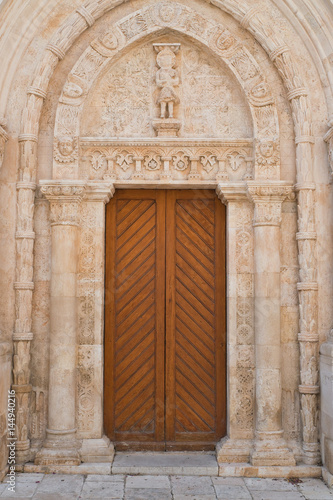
pixel 128 160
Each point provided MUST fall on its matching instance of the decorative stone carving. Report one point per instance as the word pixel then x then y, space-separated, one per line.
pixel 267 159
pixel 64 199
pixel 108 43
pixel 3 140
pixel 134 25
pixel 266 117
pixel 268 200
pixel 65 149
pixel 167 78
pixel 73 91
pixel 329 139
pixel 138 159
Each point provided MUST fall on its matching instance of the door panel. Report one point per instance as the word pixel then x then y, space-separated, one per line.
pixel 134 318
pixel 195 354
pixel 165 320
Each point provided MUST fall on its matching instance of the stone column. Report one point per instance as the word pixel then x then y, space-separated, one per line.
pixel 269 447
pixel 61 446
pixel 236 446
pixel 90 293
pixel 326 372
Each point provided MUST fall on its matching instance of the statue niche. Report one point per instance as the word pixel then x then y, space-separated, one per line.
pixel 167 78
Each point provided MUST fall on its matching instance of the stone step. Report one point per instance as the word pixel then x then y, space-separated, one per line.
pixel 166 463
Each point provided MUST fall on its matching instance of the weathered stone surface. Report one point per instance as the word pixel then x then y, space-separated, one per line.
pixel 183 94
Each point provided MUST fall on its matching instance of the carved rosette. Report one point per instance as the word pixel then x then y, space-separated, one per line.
pixel 64 201
pixel 268 199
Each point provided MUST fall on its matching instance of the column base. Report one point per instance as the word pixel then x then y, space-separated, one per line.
pixel 284 471
pixel 311 454
pixel 327 477
pixel 271 449
pixel 97 450
pixel 233 450
pixel 23 452
pixel 60 448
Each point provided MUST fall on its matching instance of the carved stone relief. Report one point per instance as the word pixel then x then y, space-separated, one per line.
pixel 245 363
pixel 3 140
pixel 202 95
pixel 130 160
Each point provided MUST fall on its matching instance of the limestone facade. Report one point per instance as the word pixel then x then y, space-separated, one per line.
pixel 230 95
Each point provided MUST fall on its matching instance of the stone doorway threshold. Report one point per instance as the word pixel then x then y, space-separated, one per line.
pixel 175 463
pixel 167 463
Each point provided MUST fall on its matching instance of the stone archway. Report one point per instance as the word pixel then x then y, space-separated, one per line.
pixel 266 197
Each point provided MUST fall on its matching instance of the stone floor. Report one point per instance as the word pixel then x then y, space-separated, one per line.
pixel 162 487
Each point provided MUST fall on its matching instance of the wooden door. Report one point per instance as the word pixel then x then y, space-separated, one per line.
pixel 165 320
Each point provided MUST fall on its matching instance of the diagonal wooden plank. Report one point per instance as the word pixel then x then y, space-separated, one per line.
pixel 135 410
pixel 134 229
pixel 204 232
pixel 196 304
pixel 132 392
pixel 192 368
pixel 188 237
pixel 206 223
pixel 123 288
pixel 128 366
pixel 147 230
pixel 144 325
pixel 190 412
pixel 185 422
pixel 192 403
pixel 135 307
pixel 140 310
pixel 203 324
pixel 132 266
pixel 194 257
pixel 145 423
pixel 192 285
pixel 189 355
pixel 146 359
pixel 192 273
pixel 137 286
pixel 135 339
pixel 133 218
pixel 207 405
pixel 125 207
pixel 205 346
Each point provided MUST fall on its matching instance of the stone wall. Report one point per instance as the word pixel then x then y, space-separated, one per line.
pixel 251 102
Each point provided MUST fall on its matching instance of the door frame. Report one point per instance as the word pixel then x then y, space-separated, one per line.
pixel 220 317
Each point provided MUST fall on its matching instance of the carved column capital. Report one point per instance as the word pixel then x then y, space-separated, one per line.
pixel 268 198
pixel 231 191
pixel 99 191
pixel 64 198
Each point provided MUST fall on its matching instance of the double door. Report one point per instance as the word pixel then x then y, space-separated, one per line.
pixel 165 366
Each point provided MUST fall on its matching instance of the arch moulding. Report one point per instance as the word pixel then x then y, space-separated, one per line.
pixel 259 188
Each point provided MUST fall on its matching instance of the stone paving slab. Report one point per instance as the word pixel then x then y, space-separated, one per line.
pixel 162 487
